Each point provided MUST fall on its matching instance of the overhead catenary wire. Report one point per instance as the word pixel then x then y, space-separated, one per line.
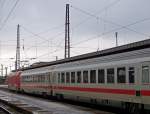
pixel 110 22
pixel 25 50
pixel 9 14
pixel 99 12
pixel 56 50
pixel 108 32
pixel 59 34
pixel 43 38
pixel 116 24
pixel 83 47
pixel 43 32
pixel 38 36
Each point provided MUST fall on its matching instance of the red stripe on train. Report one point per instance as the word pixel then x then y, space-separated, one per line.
pixel 99 90
pixel 96 90
pixel 145 92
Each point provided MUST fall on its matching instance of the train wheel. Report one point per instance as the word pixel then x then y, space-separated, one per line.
pixel 51 93
pixel 59 97
pixel 22 91
pixel 44 94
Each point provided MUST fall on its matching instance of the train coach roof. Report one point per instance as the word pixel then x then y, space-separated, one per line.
pixel 120 49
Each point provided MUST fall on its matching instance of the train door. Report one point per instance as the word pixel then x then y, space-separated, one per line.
pixel 142 86
pixel 51 83
pixel 145 82
pixel 145 72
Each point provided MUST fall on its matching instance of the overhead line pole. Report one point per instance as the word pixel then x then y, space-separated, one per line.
pixel 67 33
pixel 116 34
pixel 17 62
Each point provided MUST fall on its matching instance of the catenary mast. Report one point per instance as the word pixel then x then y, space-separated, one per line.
pixel 67 33
pixel 17 63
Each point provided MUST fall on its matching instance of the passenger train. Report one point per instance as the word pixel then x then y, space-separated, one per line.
pixel 118 77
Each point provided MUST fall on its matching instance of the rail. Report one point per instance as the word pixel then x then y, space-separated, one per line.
pixel 4 110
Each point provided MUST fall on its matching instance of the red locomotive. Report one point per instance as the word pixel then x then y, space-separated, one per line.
pixel 13 80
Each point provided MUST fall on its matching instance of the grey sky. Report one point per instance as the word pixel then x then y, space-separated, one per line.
pixel 47 17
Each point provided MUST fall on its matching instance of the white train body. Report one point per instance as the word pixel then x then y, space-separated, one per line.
pixel 118 79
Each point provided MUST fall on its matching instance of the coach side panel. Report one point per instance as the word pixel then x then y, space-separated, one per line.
pixel 118 83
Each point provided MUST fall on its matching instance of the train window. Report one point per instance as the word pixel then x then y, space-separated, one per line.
pixel 72 77
pixel 79 77
pixel 121 75
pixel 40 78
pixel 58 77
pixel 101 76
pixel 67 77
pixel 49 77
pixel 145 74
pixel 37 78
pixel 110 75
pixel 131 75
pixel 43 78
pixel 27 78
pixel 85 77
pixel 23 79
pixel 46 77
pixel 93 76
pixel 32 78
pixel 62 77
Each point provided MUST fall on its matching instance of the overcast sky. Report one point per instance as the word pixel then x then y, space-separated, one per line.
pixel 93 25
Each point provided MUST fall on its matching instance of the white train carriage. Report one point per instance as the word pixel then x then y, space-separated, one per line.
pixel 117 76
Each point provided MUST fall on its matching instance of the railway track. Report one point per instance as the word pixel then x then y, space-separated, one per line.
pixel 43 106
pixel 3 110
